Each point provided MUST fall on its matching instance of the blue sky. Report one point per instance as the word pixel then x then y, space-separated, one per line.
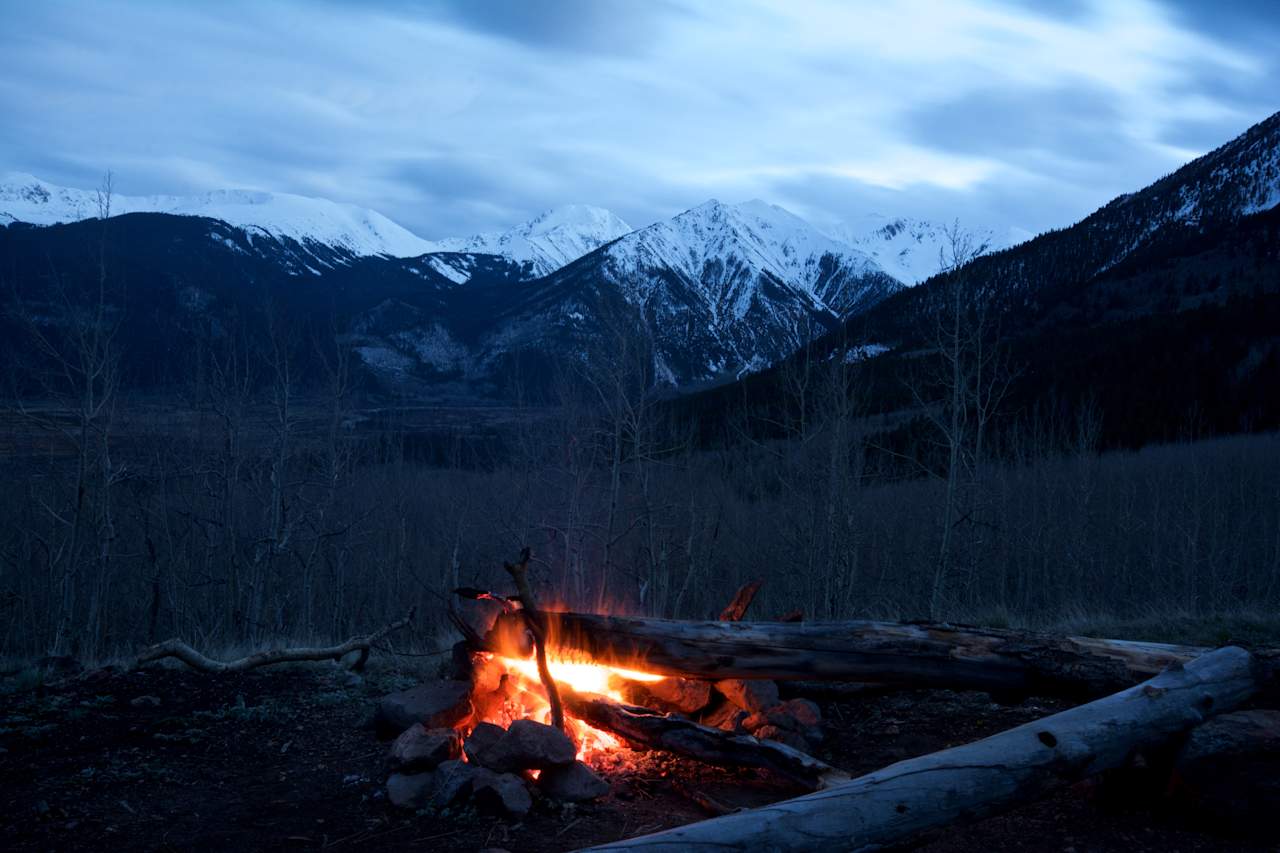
pixel 454 117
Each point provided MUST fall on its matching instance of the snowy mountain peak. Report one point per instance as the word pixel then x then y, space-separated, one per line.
pixel 764 237
pixel 25 198
pixel 912 250
pixel 549 241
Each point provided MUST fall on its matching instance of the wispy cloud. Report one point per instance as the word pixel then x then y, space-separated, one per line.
pixel 457 116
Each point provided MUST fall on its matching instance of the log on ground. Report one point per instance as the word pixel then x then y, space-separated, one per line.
pixel 891 806
pixel 934 655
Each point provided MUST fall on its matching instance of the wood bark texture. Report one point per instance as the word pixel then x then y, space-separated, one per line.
pixel 890 806
pixel 921 654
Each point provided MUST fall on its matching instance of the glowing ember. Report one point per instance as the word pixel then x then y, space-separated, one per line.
pixel 523 697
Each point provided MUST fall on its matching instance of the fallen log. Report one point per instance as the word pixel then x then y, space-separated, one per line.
pixel 176 648
pixel 892 805
pixel 652 730
pixel 923 654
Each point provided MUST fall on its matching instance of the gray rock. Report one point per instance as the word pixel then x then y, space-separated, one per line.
pixel 572 783
pixel 502 792
pixel 806 713
pixel 450 782
pixel 145 701
pixel 775 716
pixel 528 745
pixel 482 737
pixel 751 696
pixel 438 704
pixel 1228 772
pixel 406 791
pixel 419 748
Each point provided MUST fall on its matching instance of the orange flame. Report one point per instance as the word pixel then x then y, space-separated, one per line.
pixel 594 745
pixel 579 676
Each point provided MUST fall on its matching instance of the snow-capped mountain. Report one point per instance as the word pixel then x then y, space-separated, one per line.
pixel 543 244
pixel 1034 279
pixel 547 242
pixel 731 251
pixel 24 198
pixel 912 250
pixel 714 292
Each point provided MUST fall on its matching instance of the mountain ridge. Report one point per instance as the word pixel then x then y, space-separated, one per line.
pixel 547 242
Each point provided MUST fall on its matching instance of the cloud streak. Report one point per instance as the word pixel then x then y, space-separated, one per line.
pixel 452 117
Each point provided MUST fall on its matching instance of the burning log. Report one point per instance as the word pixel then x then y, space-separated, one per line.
pixel 890 806
pixel 653 730
pixel 922 654
pixel 176 648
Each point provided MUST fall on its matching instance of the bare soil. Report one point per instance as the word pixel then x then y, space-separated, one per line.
pixel 166 759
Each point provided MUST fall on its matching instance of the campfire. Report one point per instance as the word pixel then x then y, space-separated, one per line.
pixel 509 688
pixel 531 711
pixel 555 704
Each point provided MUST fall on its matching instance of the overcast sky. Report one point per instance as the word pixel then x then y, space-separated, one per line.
pixel 455 117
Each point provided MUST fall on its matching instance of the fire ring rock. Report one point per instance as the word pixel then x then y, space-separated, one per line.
pixel 685 695
pixel 439 704
pixel 418 748
pixel 502 792
pixel 751 696
pixel 448 783
pixel 572 783
pixel 528 745
pixel 482 737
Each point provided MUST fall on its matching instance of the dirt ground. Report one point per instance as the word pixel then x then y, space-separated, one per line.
pixel 165 759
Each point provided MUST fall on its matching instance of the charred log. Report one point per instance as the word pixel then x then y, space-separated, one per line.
pixel 652 730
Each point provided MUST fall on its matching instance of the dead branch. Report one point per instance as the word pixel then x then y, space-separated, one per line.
pixel 176 648
pixel 536 621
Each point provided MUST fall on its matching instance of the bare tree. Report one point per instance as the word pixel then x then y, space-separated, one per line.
pixel 970 376
pixel 75 372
